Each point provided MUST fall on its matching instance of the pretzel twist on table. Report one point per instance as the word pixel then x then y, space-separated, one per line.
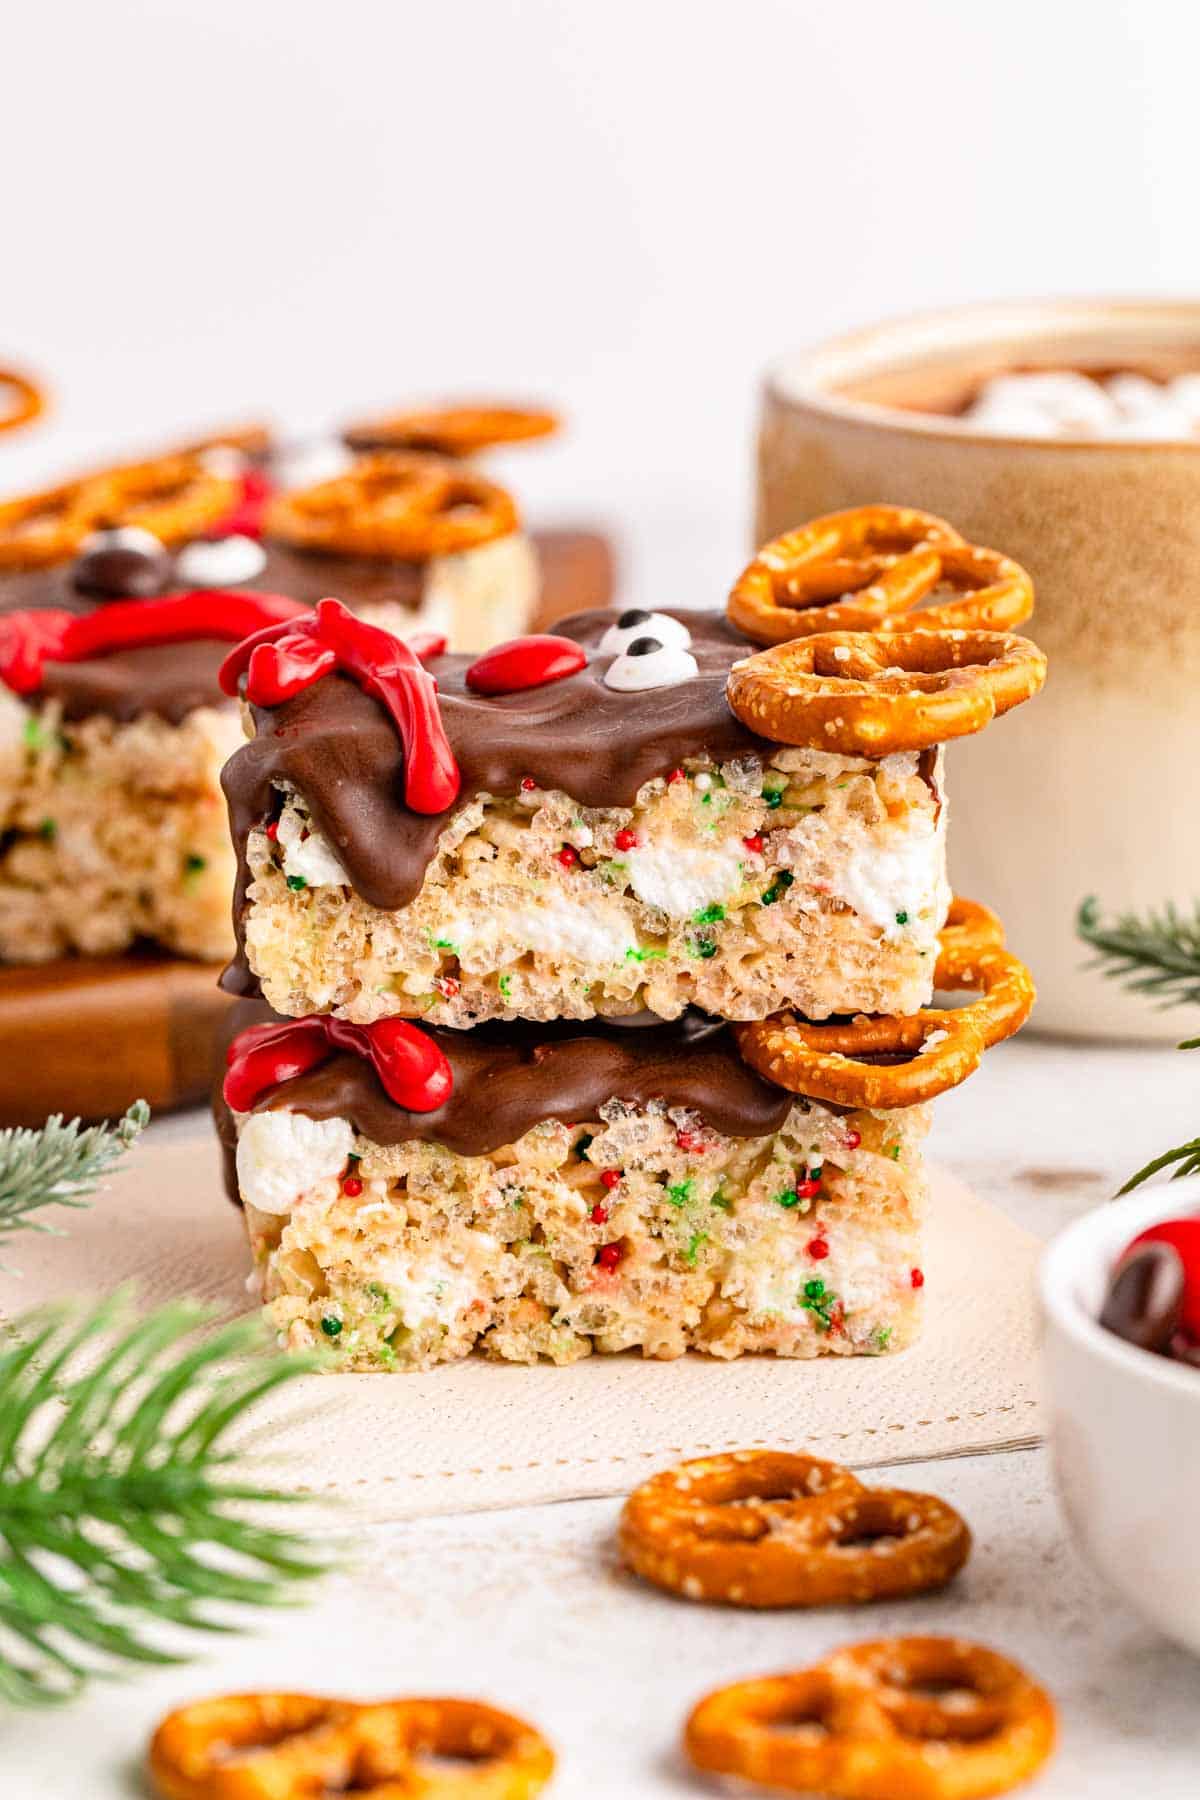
pixel 866 570
pixel 923 1054
pixel 27 399
pixel 451 430
pixel 389 504
pixel 867 694
pixel 869 1723
pixel 761 1528
pixel 302 1747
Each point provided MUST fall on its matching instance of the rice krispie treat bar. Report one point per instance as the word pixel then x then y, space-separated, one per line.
pixel 574 1188
pixel 609 838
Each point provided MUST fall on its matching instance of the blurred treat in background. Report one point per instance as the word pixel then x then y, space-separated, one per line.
pixel 1099 497
pixel 22 399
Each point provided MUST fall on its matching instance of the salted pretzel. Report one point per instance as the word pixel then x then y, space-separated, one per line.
pixel 175 497
pixel 762 1528
pixel 451 430
pixel 911 1718
pixel 302 1746
pixel 26 399
pixel 389 504
pixel 863 694
pixel 866 570
pixel 887 1062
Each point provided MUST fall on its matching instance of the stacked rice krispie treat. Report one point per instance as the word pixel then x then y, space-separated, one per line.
pixel 112 823
pixel 585 984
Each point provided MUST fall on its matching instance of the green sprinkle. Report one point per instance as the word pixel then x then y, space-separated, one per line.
pixel 695 1243
pixel 704 948
pixel 709 915
pixel 581 1147
pixel 297 883
pixel 377 1291
pixel 706 800
pixel 881 1337
pixel 817 1299
pixel 438 943
pixel 778 887
pixel 331 1327
pixel 681 1192
pixel 773 797
pixel 385 1356
pixel 814 1290
pixel 192 864
pixel 48 829
pixel 721 1203
pixel 902 918
pixel 789 1198
pixel 32 735
pixel 893 1151
pixel 506 985
pixel 636 954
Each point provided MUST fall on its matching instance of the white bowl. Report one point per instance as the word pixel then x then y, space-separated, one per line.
pixel 1125 1425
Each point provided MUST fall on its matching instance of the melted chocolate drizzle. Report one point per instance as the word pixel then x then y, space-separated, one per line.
pixel 510 1077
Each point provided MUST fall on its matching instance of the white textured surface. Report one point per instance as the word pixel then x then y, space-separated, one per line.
pixel 484 1434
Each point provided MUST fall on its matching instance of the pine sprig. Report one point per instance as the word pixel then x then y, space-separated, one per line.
pixel 59 1165
pixel 1158 954
pixel 122 1510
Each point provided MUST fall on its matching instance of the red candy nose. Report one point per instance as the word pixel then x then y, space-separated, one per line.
pixel 1183 1235
pixel 524 663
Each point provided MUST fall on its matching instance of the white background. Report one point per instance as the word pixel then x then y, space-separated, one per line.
pixel 218 206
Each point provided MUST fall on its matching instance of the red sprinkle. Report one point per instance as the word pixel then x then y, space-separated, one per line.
pixel 609 1256
pixel 352 1186
pixel 413 1070
pixel 808 1190
pixel 525 663
pixel 447 986
pixel 691 1141
pixel 273 830
pixel 599 1214
pixel 754 843
pixel 852 1140
pixel 817 1248
pixel 676 775
pixel 917 1277
pixel 568 856
pixel 627 840
pixel 611 1178
pixel 527 784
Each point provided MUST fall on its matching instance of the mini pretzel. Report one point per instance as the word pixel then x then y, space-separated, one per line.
pixel 867 695
pixel 882 561
pixel 393 505
pixel 763 1529
pixel 451 430
pixel 302 1747
pixel 915 1718
pixel 918 1056
pixel 175 497
pixel 27 400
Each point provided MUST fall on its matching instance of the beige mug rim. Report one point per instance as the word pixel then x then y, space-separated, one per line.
pixel 803 379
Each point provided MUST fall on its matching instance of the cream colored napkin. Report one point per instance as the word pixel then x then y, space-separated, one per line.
pixel 481 1434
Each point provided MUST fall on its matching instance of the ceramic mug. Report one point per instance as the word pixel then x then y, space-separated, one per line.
pixel 1092 789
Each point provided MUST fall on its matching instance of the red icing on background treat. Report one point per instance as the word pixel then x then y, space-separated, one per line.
pixel 29 640
pixel 412 1069
pixel 246 518
pixel 280 660
pixel 525 662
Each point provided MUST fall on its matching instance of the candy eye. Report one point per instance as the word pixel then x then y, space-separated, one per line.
pixel 124 563
pixel 671 633
pixel 649 663
pixel 220 562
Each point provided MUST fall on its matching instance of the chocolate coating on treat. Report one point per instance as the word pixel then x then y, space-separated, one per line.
pixel 339 749
pixel 510 1077
pixel 1144 1301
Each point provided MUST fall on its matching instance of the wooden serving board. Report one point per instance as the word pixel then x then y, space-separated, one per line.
pixel 87 1035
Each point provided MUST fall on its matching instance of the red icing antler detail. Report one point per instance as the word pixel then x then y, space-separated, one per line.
pixel 279 661
pixel 410 1066
pixel 246 518
pixel 29 640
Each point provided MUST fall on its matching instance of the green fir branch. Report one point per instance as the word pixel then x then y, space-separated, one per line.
pixel 59 1165
pixel 1156 954
pixel 1185 1156
pixel 122 1509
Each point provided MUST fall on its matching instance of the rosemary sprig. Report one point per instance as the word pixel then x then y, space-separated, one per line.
pixel 122 1509
pixel 59 1165
pixel 1158 954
